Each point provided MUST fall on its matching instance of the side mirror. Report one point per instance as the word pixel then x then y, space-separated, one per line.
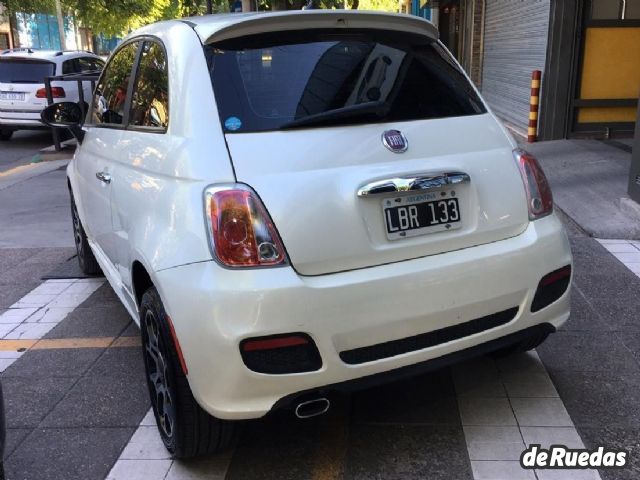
pixel 64 115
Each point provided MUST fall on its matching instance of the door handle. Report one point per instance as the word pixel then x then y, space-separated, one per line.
pixel 420 182
pixel 104 177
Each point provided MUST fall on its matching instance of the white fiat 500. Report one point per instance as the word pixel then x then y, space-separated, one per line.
pixel 298 204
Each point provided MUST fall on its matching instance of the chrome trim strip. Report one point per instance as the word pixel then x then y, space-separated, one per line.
pixel 420 182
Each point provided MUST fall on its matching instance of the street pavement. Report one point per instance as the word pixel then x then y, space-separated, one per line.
pixel 77 406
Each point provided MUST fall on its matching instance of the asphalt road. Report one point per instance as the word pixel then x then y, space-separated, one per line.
pixel 24 144
pixel 77 406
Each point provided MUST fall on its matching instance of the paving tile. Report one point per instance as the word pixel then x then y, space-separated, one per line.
pixel 6 363
pixel 529 385
pixel 145 444
pixel 591 397
pixel 265 443
pixel 588 351
pixel 621 247
pixel 51 287
pixel 7 328
pixel 633 266
pixel 28 400
pixel 565 474
pixel 17 315
pixel 208 468
pixel 478 378
pixel 139 470
pixel 101 402
pixel 500 470
pixel 583 316
pixel 427 399
pixel 632 257
pixel 616 438
pixel 547 436
pixel 493 443
pixel 619 315
pixel 14 438
pixel 96 321
pixel 486 411
pixel 12 291
pixel 149 419
pixel 406 452
pixel 29 331
pixel 34 300
pixel 69 454
pixel 541 412
pixel 522 363
pixel 49 315
pixel 50 363
pixel 11 354
pixel 120 362
pixel 69 299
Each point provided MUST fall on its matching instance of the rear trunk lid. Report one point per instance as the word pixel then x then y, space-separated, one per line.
pixel 367 147
pixel 20 79
pixel 309 179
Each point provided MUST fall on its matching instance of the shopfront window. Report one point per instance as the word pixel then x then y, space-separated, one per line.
pixel 615 10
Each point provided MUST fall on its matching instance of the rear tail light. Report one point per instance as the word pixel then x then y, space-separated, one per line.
pixel 56 92
pixel 539 198
pixel 242 233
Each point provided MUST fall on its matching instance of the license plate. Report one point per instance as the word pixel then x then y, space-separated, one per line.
pixel 12 96
pixel 411 215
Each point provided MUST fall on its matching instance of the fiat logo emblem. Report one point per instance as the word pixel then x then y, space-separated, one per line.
pixel 395 141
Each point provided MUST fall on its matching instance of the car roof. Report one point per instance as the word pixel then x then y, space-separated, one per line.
pixel 217 27
pixel 52 55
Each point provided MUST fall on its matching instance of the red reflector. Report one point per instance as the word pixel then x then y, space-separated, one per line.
pixel 556 276
pixel 272 343
pixel 56 92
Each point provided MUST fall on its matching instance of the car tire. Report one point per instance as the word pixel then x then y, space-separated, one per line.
pixel 185 428
pixel 5 134
pixel 522 346
pixel 86 258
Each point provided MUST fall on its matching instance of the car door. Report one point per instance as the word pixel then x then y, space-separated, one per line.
pixel 104 141
pixel 139 178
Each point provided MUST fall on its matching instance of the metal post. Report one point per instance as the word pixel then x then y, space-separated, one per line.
pixel 54 131
pixel 209 7
pixel 534 105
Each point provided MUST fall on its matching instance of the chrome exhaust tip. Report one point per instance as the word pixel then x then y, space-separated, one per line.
pixel 312 408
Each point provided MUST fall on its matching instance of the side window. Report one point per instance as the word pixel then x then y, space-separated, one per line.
pixel 150 103
pixel 111 91
pixel 89 64
pixel 70 66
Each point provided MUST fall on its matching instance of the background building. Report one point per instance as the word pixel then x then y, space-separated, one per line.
pixel 587 50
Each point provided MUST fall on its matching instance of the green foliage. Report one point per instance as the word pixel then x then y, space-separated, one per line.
pixel 382 5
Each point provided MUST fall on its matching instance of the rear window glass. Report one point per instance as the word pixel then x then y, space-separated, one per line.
pixel 321 78
pixel 24 71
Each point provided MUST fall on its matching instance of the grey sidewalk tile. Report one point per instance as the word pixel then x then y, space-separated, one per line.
pixel 11 292
pixel 588 351
pixel 427 399
pixel 500 470
pixel 101 402
pixel 478 377
pixel 565 474
pixel 493 443
pixel 14 438
pixel 583 316
pixel 616 438
pixel 600 399
pixel 120 362
pixel 145 444
pixel 541 412
pixel 486 411
pixel 529 385
pixel 265 443
pixel 547 436
pixel 69 454
pixel 95 321
pixel 68 362
pixel 620 316
pixel 139 470
pixel 28 400
pixel 207 468
pixel 521 364
pixel 406 452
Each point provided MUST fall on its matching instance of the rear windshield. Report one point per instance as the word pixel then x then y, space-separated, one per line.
pixel 325 77
pixel 24 71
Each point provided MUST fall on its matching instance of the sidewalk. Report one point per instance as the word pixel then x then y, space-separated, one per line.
pixel 589 181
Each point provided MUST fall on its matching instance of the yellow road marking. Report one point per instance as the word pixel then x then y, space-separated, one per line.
pixel 65 343
pixel 328 462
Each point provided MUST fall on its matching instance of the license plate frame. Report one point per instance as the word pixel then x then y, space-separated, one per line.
pixel 12 96
pixel 419 219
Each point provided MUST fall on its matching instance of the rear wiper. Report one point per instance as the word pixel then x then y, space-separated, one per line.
pixel 379 109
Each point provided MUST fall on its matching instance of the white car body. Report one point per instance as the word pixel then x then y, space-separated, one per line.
pixel 346 285
pixel 19 106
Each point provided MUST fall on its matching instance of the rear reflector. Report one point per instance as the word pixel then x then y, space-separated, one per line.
pixel 551 288
pixel 280 354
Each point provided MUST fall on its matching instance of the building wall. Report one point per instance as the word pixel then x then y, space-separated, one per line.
pixel 5 30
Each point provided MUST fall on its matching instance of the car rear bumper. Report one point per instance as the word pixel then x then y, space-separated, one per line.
pixel 14 118
pixel 213 309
